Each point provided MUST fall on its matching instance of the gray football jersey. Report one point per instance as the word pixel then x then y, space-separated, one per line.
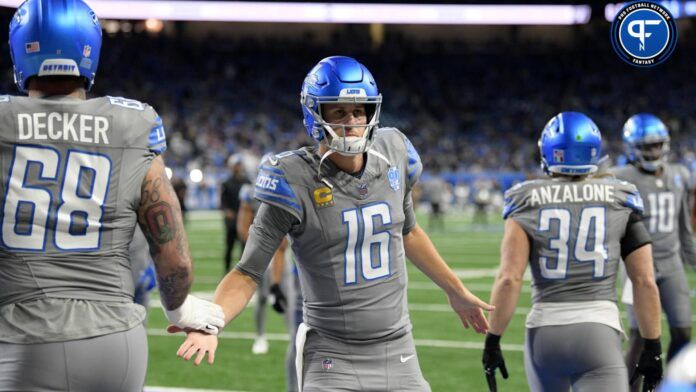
pixel 71 172
pixel 667 214
pixel 349 240
pixel 575 230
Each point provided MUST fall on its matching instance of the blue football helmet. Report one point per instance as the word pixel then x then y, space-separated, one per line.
pixel 54 37
pixel 570 144
pixel 681 372
pixel 339 79
pixel 646 140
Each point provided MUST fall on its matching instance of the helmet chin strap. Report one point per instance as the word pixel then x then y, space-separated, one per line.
pixel 330 151
pixel 324 156
pixel 650 166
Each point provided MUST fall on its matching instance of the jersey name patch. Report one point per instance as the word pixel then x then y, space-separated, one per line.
pixel 572 193
pixel 71 127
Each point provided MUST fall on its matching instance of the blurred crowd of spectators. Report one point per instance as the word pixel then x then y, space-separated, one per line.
pixel 466 107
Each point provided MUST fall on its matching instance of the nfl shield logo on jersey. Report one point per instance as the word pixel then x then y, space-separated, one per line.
pixel 394 178
pixel 327 364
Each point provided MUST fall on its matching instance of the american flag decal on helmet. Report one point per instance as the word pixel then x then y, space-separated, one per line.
pixel 558 156
pixel 32 47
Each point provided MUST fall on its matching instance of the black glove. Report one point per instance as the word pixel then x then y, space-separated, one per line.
pixel 279 300
pixel 649 365
pixel 492 359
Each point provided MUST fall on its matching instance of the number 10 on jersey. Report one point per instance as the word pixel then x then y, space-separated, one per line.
pixel 362 237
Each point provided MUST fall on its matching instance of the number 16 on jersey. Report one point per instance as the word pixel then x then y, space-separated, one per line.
pixel 362 237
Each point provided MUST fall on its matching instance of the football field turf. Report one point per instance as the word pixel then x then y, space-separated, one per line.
pixel 450 355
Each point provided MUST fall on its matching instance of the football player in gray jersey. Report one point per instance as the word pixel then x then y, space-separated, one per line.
pixel 347 207
pixel 573 229
pixel 75 177
pixel 270 284
pixel 273 279
pixel 665 189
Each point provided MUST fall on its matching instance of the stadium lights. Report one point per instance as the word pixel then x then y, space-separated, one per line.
pixel 678 9
pixel 153 25
pixel 196 175
pixel 243 11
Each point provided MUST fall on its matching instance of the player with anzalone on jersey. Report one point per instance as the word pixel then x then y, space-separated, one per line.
pixel 347 207
pixel 573 228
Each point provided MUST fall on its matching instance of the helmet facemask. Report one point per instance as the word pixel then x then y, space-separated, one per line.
pixel 325 132
pixel 650 156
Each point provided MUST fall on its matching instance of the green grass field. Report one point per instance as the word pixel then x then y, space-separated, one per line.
pixel 449 354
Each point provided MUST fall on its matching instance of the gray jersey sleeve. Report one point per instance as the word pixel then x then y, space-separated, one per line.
pixel 414 168
pixel 270 225
pixel 515 199
pixel 272 187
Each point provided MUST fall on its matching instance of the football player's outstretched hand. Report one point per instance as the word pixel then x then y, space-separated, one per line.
pixel 493 359
pixel 470 310
pixel 197 314
pixel 199 344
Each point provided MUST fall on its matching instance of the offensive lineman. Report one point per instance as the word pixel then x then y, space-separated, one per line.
pixel 347 207
pixel 573 229
pixel 76 175
pixel 664 187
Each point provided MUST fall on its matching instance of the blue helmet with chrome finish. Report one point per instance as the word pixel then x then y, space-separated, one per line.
pixel 54 37
pixel 570 144
pixel 646 140
pixel 339 79
pixel 681 373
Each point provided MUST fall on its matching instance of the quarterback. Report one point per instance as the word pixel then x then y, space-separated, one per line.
pixel 347 208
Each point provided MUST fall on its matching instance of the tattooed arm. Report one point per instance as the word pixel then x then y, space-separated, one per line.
pixel 159 215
